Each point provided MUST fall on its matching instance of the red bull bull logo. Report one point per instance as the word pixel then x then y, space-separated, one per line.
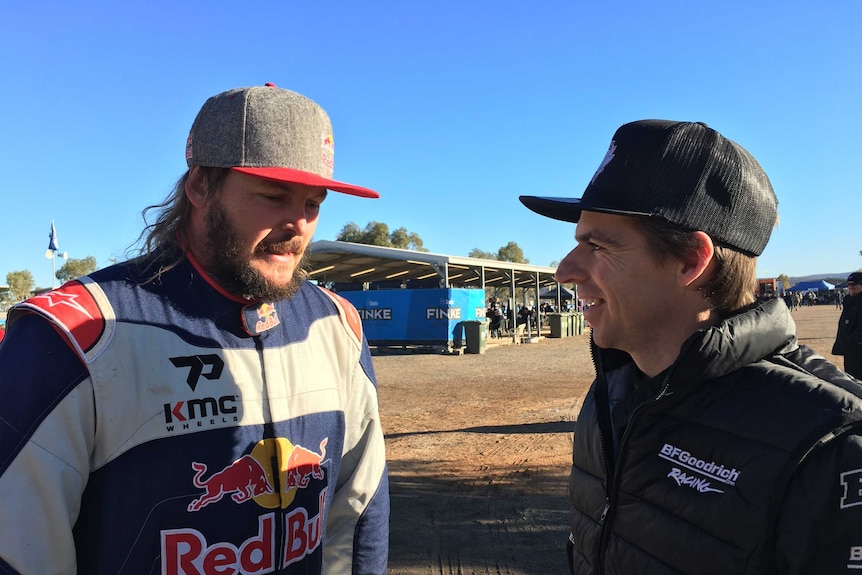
pixel 251 477
pixel 243 479
pixel 303 464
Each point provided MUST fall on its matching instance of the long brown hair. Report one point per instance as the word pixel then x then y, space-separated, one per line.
pixel 163 240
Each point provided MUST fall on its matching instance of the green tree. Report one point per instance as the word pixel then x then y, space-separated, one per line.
pixel 477 253
pixel 400 238
pixel 6 299
pixel 377 234
pixel 785 281
pixel 350 233
pixel 511 252
pixel 405 240
pixel 21 284
pixel 76 268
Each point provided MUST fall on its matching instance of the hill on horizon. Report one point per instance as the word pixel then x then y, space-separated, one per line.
pixel 834 278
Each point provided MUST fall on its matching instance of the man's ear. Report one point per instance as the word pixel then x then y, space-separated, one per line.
pixel 699 260
pixel 196 187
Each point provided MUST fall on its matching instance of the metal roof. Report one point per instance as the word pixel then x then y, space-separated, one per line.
pixel 345 262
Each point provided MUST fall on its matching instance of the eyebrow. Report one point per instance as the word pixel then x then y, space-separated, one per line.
pixel 594 235
pixel 287 187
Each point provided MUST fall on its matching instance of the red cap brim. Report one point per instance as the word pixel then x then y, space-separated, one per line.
pixel 292 176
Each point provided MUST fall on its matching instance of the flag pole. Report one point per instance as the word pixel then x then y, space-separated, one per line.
pixel 51 253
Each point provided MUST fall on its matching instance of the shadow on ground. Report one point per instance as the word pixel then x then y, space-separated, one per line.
pixel 445 521
pixel 547 427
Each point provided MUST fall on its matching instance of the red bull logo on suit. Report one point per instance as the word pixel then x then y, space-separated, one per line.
pixel 244 479
pixel 188 552
pixel 252 478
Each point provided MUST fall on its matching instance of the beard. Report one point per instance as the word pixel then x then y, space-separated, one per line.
pixel 231 266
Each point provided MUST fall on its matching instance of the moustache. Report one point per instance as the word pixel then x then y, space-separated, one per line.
pixel 293 245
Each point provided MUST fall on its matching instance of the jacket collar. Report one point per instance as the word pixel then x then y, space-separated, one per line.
pixel 757 331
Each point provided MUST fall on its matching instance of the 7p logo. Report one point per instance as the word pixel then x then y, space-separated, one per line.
pixel 197 363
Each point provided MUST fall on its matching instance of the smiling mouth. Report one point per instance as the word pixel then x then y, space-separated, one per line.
pixel 587 303
pixel 272 252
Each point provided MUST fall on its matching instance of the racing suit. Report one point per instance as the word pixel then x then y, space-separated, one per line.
pixel 167 427
pixel 747 459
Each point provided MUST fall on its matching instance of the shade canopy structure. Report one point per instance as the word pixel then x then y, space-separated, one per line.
pixel 558 293
pixel 349 264
pixel 815 285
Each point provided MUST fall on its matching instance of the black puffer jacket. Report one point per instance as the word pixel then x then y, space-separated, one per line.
pixel 749 460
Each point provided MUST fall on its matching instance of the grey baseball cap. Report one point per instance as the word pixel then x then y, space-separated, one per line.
pixel 268 132
pixel 683 172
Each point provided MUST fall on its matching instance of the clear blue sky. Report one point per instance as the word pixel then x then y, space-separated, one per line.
pixel 449 109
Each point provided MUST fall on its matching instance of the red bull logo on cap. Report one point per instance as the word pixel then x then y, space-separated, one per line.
pixel 327 157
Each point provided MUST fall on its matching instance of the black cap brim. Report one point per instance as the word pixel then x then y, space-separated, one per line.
pixel 563 209
pixel 569 209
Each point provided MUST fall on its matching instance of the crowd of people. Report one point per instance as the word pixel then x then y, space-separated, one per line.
pixel 501 316
pixel 797 299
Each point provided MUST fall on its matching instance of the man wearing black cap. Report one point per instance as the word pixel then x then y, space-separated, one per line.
pixel 710 441
pixel 203 408
pixel 848 341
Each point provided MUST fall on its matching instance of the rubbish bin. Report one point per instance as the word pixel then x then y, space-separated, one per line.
pixel 558 324
pixel 578 323
pixel 476 333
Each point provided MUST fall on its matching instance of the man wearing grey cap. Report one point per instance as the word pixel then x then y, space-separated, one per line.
pixel 848 340
pixel 710 440
pixel 201 409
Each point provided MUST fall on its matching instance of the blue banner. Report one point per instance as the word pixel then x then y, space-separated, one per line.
pixel 417 316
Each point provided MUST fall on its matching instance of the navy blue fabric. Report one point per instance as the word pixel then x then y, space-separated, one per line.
pixel 30 395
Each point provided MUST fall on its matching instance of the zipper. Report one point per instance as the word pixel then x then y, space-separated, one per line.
pixel 605 511
pixel 275 463
pixel 607 454
pixel 606 518
pixel 609 464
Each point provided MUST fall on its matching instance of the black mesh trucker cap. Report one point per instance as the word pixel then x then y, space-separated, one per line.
pixel 683 172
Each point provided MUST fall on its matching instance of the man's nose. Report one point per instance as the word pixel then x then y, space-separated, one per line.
pixel 293 217
pixel 567 271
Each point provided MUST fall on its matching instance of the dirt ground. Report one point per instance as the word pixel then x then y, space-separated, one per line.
pixel 479 448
